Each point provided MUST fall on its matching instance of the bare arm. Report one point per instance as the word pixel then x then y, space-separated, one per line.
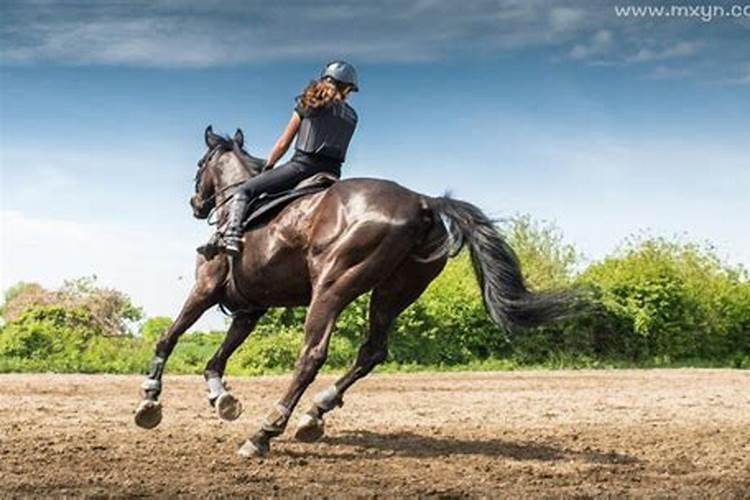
pixel 282 144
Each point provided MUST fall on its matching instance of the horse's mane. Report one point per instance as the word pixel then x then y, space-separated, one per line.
pixel 248 161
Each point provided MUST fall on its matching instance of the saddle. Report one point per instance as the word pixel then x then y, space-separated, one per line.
pixel 267 204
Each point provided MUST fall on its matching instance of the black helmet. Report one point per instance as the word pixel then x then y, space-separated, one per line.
pixel 343 72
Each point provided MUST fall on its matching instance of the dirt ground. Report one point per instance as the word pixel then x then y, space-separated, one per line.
pixel 661 433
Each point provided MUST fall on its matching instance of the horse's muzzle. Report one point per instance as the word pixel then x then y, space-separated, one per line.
pixel 201 209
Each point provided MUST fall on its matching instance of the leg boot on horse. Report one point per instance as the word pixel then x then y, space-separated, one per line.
pixel 205 294
pixel 386 303
pixel 227 406
pixel 344 280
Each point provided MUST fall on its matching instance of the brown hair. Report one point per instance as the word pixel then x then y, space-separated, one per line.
pixel 320 93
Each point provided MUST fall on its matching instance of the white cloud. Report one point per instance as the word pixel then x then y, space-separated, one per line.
pixel 662 72
pixel 566 18
pixel 604 188
pixel 599 43
pixel 681 49
pixel 741 80
pixel 155 269
pixel 196 33
pixel 743 76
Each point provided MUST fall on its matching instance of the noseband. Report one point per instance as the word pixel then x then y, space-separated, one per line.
pixel 204 162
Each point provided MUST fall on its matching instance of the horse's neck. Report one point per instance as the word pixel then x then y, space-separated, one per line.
pixel 229 175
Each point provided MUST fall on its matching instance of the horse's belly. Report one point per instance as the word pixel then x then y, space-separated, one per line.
pixel 277 279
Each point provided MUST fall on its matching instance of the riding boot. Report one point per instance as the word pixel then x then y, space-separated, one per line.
pixel 234 231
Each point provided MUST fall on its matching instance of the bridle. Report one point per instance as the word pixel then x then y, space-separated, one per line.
pixel 204 163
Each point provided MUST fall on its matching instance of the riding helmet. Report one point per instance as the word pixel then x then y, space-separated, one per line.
pixel 343 72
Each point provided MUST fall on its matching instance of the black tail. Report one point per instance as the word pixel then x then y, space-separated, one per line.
pixel 506 298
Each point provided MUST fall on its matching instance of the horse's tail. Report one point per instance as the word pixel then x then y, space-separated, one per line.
pixel 506 298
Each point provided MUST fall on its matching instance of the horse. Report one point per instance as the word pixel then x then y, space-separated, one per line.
pixel 322 251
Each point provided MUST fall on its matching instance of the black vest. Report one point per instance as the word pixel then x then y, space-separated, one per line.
pixel 328 131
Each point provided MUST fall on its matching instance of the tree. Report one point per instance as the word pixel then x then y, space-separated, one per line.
pixel 111 310
pixel 547 260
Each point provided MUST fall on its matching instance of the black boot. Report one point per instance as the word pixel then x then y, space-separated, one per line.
pixel 234 232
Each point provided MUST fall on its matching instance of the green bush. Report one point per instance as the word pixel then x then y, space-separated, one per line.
pixel 670 299
pixel 52 334
pixel 155 327
pixel 278 353
pixel 548 260
pixel 659 303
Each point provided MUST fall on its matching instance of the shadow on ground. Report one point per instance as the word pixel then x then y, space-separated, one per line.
pixel 409 444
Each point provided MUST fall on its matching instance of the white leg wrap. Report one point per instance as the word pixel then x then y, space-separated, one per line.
pixel 249 450
pixel 327 399
pixel 308 420
pixel 283 410
pixel 151 384
pixel 215 387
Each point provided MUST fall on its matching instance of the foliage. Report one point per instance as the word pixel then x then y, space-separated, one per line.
pixel 548 260
pixel 111 310
pixel 154 328
pixel 659 303
pixel 666 298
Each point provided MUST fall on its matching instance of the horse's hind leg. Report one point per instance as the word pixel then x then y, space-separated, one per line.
pixel 355 265
pixel 321 317
pixel 329 299
pixel 227 406
pixel 205 294
pixel 386 303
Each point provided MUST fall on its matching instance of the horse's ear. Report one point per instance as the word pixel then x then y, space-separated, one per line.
pixel 239 138
pixel 212 140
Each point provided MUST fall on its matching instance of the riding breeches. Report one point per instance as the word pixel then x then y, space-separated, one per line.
pixel 284 177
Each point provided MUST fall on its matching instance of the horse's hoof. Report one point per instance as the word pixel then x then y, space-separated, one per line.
pixel 309 429
pixel 252 449
pixel 148 414
pixel 228 407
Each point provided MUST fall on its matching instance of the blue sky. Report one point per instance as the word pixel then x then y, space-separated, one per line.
pixel 563 110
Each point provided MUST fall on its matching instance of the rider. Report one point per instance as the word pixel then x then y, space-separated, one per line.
pixel 324 124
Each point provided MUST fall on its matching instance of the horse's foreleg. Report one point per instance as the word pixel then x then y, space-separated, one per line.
pixel 227 406
pixel 386 303
pixel 205 294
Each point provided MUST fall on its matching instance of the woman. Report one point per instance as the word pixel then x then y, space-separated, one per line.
pixel 323 123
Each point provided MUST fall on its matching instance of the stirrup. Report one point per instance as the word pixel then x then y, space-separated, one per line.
pixel 211 249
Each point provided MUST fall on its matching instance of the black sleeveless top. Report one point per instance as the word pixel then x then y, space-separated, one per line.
pixel 326 132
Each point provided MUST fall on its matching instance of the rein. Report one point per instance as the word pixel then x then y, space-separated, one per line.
pixel 219 205
pixel 203 164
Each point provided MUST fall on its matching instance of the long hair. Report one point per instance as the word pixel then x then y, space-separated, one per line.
pixel 320 93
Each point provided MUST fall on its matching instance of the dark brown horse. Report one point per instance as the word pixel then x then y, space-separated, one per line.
pixel 324 250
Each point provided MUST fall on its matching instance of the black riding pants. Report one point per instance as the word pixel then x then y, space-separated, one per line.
pixel 285 176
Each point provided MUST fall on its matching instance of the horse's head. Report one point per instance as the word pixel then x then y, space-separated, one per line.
pixel 224 165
